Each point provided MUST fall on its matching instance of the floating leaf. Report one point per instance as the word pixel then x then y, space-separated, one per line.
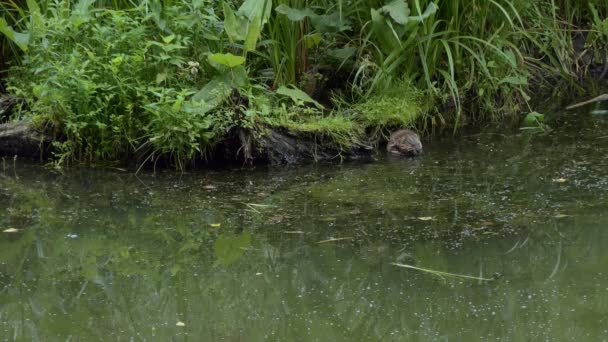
pixel 215 225
pixel 425 218
pixel 175 269
pixel 561 216
pixel 11 230
pixel 559 180
pixel 180 324
pixel 229 249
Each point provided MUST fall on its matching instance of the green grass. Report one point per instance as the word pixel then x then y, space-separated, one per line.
pixel 400 106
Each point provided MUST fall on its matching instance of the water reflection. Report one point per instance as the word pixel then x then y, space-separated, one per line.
pixel 235 255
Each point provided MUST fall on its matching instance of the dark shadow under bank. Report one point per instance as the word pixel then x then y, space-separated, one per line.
pixel 246 147
pixel 273 146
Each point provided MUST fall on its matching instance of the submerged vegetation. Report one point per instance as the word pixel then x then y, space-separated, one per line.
pixel 173 78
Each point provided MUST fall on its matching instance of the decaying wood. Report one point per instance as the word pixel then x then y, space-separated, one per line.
pixel 7 103
pixel 603 97
pixel 24 140
pixel 282 146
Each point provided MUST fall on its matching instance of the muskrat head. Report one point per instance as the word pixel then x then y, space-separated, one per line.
pixel 404 142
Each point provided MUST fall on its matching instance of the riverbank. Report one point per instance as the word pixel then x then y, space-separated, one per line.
pixel 190 82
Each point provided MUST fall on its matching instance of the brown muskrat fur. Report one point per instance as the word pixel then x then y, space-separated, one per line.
pixel 404 143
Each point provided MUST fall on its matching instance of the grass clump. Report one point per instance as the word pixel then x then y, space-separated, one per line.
pixel 399 106
pixel 336 127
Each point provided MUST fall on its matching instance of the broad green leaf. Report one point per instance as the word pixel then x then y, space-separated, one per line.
pixel 343 53
pixel 227 59
pixel 400 13
pixel 256 9
pixel 168 39
pixel 533 119
pixel 297 95
pixel 398 10
pixel 219 88
pixel 384 33
pixel 247 23
pixel 312 40
pixel 253 33
pixel 214 93
pixel 429 11
pixel 234 28
pixel 295 14
pixel 330 23
pixel 20 39
pixel 229 249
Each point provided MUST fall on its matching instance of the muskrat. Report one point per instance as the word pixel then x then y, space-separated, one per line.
pixel 405 143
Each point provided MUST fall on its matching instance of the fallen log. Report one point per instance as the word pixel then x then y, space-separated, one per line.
pixel 23 139
pixel 283 146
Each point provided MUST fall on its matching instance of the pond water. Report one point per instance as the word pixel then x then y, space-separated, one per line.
pixel 307 253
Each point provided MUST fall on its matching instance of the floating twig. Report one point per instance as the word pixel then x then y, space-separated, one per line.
pixel 441 274
pixel 603 97
pixel 335 240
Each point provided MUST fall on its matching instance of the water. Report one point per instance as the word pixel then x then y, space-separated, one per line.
pixel 248 255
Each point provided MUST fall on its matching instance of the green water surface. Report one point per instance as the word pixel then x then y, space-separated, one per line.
pixel 248 255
